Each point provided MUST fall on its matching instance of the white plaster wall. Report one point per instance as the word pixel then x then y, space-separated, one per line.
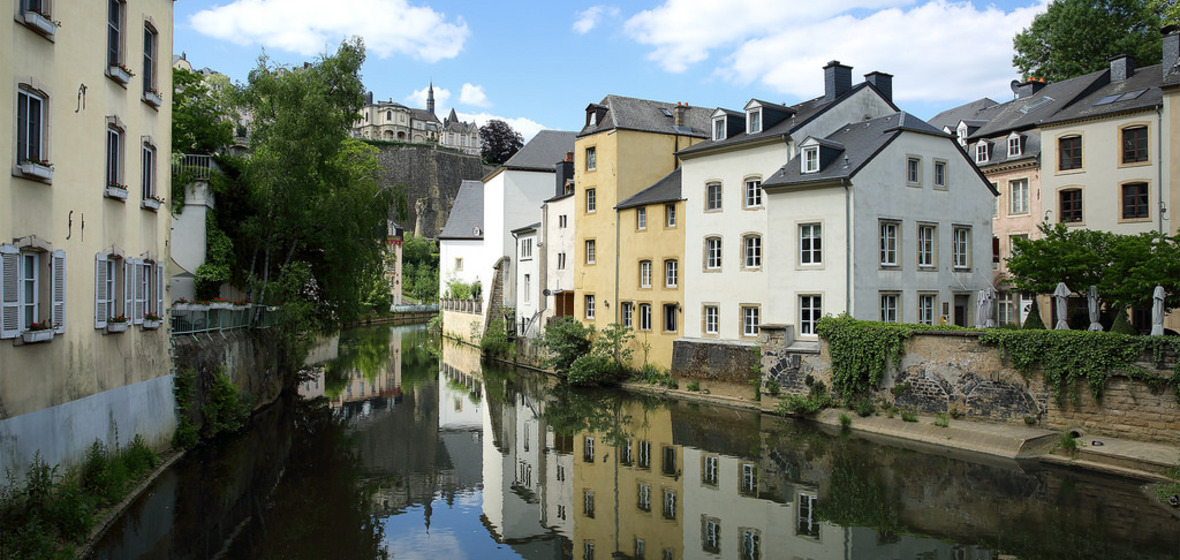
pixel 477 264
pixel 787 211
pixel 528 303
pixel 512 200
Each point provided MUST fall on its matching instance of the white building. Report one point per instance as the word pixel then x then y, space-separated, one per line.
pixel 558 255
pixel 528 285
pixel 462 256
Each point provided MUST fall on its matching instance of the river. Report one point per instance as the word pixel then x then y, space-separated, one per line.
pixel 388 451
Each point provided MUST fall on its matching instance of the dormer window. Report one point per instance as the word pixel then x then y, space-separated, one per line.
pixel 810 159
pixel 981 152
pixel 962 133
pixel 719 128
pixel 754 121
pixel 1013 145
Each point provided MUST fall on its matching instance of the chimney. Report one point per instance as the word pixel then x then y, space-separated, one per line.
pixel 837 80
pixel 1171 48
pixel 368 98
pixel 1026 89
pixel 1121 67
pixel 678 114
pixel 883 82
pixel 564 174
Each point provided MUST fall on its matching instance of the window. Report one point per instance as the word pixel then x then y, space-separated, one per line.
pixel 888 243
pixel 753 193
pixel 669 504
pixel 711 535
pixel 641 218
pixel 810 311
pixel 588 510
pixel 588 449
pixel 23 290
pixel 1135 144
pixel 644 497
pixel 889 308
pixel 719 129
pixel 754 122
pixel 913 171
pixel 1135 201
pixel 590 251
pixel 644 454
pixel 30 127
pixel 1071 205
pixel 1014 145
pixel 526 249
pixel 114 156
pixel 149 172
pixel 1069 153
pixel 625 453
pixel 640 547
pixel 562 221
pixel 670 215
pixel 669 464
pixel 811 244
pixel 751 544
pixel 810 159
pixel 752 251
pixel 711 319
pixel 927 236
pixel 150 41
pixel 589 306
pixel 749 483
pixel 114 32
pixel 806 523
pixel 561 261
pixel 960 243
pixel 458 264
pixel 669 317
pixel 106 290
pixel 526 288
pixel 981 152
pixel 628 309
pixel 591 158
pixel 644 318
pixel 644 274
pixel 940 174
pixel 713 253
pixel 709 471
pixel 712 197
pixel 1018 196
pixel 926 304
pixel 671 273
pixel 750 320
pixel 591 200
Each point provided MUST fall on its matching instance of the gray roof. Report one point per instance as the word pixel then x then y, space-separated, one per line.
pixel 466 218
pixel 665 190
pixel 862 141
pixel 805 112
pixel 645 115
pixel 966 112
pixel 998 153
pixel 541 153
pixel 423 115
pixel 1138 92
pixel 530 227
pixel 1027 112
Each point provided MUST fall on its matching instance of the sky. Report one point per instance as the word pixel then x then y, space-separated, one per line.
pixel 538 64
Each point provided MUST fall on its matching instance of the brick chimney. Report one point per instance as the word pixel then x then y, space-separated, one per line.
pixel 883 82
pixel 678 114
pixel 837 80
pixel 1121 68
pixel 1027 88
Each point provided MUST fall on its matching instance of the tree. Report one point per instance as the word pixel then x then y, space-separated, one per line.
pixel 1075 37
pixel 499 142
pixel 200 121
pixel 1167 10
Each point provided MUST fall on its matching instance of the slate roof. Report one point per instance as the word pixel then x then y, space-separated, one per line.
pixel 530 227
pixel 1027 112
pixel 862 141
pixel 541 153
pixel 804 112
pixel 645 115
pixel 966 112
pixel 998 153
pixel 1143 88
pixel 665 190
pixel 466 213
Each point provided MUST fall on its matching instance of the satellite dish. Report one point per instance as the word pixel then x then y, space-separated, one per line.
pixel 547 292
pixel 1015 86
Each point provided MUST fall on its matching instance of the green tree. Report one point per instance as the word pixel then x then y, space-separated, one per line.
pixel 201 123
pixel 1167 10
pixel 1075 37
pixel 499 142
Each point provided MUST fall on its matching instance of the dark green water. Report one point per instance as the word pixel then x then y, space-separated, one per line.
pixel 390 452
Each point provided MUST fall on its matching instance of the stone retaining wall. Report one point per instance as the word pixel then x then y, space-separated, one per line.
pixel 714 360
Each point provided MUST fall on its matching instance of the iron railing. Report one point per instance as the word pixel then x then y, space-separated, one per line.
pixel 193 166
pixel 218 317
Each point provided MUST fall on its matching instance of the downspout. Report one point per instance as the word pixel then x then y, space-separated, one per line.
pixel 847 246
pixel 1159 168
pixel 617 215
pixel 516 252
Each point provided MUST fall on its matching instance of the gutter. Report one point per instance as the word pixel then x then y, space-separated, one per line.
pixel 617 305
pixel 847 246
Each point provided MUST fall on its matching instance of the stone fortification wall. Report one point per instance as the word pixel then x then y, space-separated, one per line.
pixel 432 175
pixel 945 371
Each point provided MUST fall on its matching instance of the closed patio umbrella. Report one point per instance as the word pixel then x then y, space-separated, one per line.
pixel 1157 311
pixel 1092 303
pixel 1059 296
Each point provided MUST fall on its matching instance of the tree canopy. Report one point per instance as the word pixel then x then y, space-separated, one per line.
pixel 1125 268
pixel 200 120
pixel 1075 37
pixel 499 142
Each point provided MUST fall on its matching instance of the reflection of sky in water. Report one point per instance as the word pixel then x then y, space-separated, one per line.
pixel 456 532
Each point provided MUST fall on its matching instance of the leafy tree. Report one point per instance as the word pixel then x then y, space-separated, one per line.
pixel 1075 37
pixel 499 142
pixel 1167 10
pixel 566 339
pixel 200 121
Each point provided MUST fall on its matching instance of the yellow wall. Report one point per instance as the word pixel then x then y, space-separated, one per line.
pixel 657 243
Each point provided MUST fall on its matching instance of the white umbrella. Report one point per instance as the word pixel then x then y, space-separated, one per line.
pixel 1157 310
pixel 1092 303
pixel 981 309
pixel 991 308
pixel 1059 296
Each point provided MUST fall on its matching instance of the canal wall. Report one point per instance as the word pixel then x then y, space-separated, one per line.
pixel 714 360
pixel 952 372
pixel 464 326
pixel 252 358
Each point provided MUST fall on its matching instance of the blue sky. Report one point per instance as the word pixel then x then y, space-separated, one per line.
pixel 537 64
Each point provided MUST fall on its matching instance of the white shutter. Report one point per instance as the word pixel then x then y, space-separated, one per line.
pixel 100 292
pixel 58 292
pixel 160 290
pixel 9 292
pixel 140 296
pixel 128 294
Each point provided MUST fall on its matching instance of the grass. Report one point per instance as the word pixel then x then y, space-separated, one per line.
pixel 845 421
pixel 1067 442
pixel 909 416
pixel 941 420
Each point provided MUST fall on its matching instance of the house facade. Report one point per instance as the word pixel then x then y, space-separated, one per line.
pixel 84 229
pixel 462 254
pixel 527 278
pixel 560 249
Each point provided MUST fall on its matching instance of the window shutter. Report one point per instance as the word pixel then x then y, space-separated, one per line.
pixel 128 294
pixel 100 292
pixel 140 284
pixel 58 293
pixel 160 290
pixel 9 292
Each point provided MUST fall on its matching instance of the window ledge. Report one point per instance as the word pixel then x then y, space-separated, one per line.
pixel 36 171
pixel 41 24
pixel 960 269
pixel 150 204
pixel 117 193
pixel 153 99
pixel 113 328
pixel 149 325
pixel 119 75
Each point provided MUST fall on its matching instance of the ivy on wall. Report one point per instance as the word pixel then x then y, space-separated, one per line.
pixel 862 350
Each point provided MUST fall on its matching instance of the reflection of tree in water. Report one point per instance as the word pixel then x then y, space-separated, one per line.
pixel 369 353
pixel 571 411
pixel 858 495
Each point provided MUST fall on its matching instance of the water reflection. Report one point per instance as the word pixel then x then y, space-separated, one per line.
pixel 405 454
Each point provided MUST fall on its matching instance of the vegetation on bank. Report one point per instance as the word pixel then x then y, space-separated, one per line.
pixel 209 404
pixel 586 356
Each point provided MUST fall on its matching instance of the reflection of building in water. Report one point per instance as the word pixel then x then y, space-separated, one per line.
pixel 365 395
pixel 459 400
pixel 512 469
pixel 557 490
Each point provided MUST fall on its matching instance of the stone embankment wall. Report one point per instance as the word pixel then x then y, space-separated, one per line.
pixel 462 326
pixel 253 359
pixel 714 360
pixel 432 175
pixel 952 371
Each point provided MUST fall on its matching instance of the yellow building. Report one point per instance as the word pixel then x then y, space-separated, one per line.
pixel 84 228
pixel 626 146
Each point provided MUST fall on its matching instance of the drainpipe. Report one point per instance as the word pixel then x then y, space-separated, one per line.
pixel 847 246
pixel 617 215
pixel 1159 168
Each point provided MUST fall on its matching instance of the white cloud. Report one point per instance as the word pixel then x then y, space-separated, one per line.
pixel 589 18
pixel 474 95
pixel 306 27
pixel 418 99
pixel 525 126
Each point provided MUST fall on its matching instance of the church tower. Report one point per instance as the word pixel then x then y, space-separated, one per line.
pixel 430 98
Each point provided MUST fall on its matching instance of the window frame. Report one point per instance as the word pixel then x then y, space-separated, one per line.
pixel 751 320
pixel 712 259
pixel 671 321
pixel 940 179
pixel 719 128
pixel 754 121
pixel 753 193
pixel 709 470
pixel 981 152
pixel 644 318
pixel 641 218
pixel 591 201
pixel 889 235
pixel 671 273
pixel 591 158
pixel 888 307
pixel 149 162
pixel 588 306
pixel 927 246
pixel 1073 210
pixel 811 244
pixel 116 29
pixel 1025 207
pixel 752 252
pixel 913 171
pixel 561 258
pixel 811 310
pixel 670 215
pixel 114 155
pixel 1014 145
pixel 627 313
pixel 151 51
pixel 961 248
pixel 1138 156
pixel 39 273
pixel 1144 202
pixel 1071 144
pixel 713 194
pixel 927 308
pixel 711 319
pixel 809 163
pixel 591 248
pixel 645 273
pixel 26 127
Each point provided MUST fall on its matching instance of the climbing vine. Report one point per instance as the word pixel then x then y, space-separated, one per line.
pixel 861 351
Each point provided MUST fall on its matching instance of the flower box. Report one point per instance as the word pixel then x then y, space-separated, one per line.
pixel 32 337
pixel 119 74
pixel 221 305
pixel 118 193
pixel 149 325
pixel 116 327
pixel 189 307
pixel 40 23
pixel 36 170
pixel 151 204
pixel 152 98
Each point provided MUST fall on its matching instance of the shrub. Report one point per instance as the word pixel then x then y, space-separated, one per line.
pixel 104 475
pixel 845 421
pixel 228 407
pixel 495 341
pixel 694 386
pixel 1033 321
pixel 909 416
pixel 773 387
pixel 817 399
pixel 941 420
pixel 957 414
pixel 864 407
pixel 593 369
pixel 1068 442
pixel 1122 325
pixel 565 340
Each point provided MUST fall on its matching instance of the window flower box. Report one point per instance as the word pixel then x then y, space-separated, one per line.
pixel 119 73
pixel 119 327
pixel 151 204
pixel 116 191
pixel 152 97
pixel 149 325
pixel 37 169
pixel 41 23
pixel 33 337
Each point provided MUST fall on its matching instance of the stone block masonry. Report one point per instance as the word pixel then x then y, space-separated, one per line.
pixel 432 175
pixel 714 360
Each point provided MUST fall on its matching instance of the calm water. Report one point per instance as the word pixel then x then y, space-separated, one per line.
pixel 389 451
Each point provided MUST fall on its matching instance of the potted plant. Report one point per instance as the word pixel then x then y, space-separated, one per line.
pixel 119 72
pixel 151 321
pixel 115 190
pixel 153 202
pixel 117 324
pixel 152 97
pixel 34 166
pixel 38 332
pixel 41 22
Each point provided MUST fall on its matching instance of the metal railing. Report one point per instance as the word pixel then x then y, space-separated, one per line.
pixel 433 308
pixel 196 166
pixel 464 305
pixel 189 318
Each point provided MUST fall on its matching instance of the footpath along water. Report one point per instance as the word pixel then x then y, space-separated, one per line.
pixel 390 451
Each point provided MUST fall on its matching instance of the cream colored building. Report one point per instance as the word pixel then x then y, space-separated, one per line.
pixel 84 228
pixel 394 122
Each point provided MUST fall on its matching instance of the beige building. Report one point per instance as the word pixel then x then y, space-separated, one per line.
pixel 394 122
pixel 84 228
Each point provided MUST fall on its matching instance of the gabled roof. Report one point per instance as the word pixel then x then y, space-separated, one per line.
pixel 541 153
pixel 1140 91
pixel 967 112
pixel 1030 148
pixel 804 113
pixel 466 218
pixel 645 115
pixel 530 227
pixel 423 115
pixel 665 190
pixel 1027 112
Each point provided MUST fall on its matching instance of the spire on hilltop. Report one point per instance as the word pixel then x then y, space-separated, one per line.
pixel 430 98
